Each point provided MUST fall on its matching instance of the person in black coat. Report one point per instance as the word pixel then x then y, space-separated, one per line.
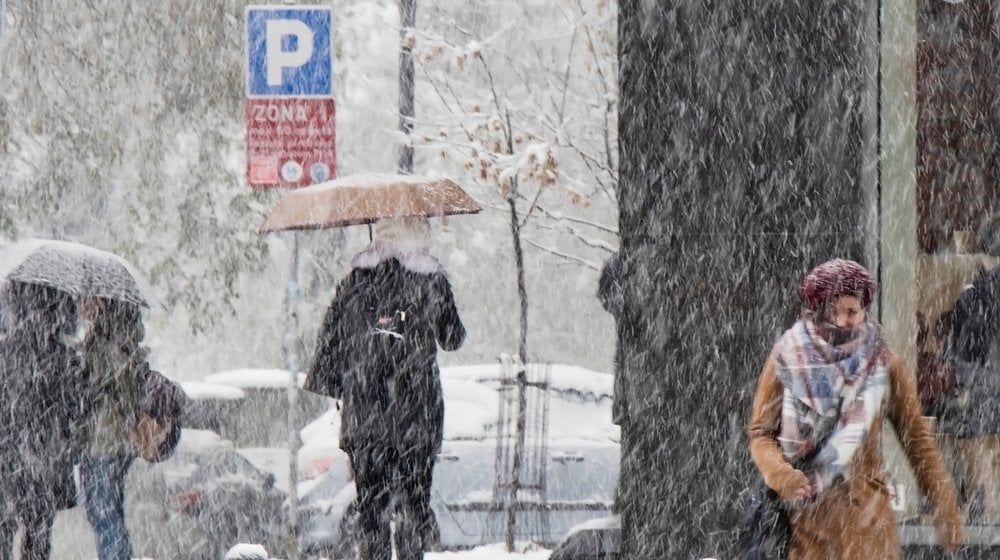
pixel 972 411
pixel 975 353
pixel 44 415
pixel 377 352
pixel 609 293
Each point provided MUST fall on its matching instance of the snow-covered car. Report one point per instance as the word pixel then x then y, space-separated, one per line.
pixel 200 501
pixel 261 418
pixel 597 538
pixel 581 461
pixel 211 406
pixel 228 480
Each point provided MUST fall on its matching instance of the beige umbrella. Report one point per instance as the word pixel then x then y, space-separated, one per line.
pixel 365 199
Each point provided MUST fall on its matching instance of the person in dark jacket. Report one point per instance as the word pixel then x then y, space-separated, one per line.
pixel 609 293
pixel 973 411
pixel 377 352
pixel 45 418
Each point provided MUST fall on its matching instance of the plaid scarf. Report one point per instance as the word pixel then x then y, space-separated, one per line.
pixel 832 392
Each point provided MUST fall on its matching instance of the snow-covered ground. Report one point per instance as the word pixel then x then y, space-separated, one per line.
pixel 492 552
pixel 76 541
pixel 522 551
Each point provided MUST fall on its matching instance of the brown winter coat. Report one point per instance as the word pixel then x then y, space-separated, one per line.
pixel 853 521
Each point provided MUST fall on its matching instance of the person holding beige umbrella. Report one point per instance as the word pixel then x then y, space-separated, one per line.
pixel 377 353
pixel 377 347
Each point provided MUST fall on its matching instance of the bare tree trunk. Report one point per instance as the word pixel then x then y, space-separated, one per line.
pixel 522 291
pixel 522 380
pixel 522 351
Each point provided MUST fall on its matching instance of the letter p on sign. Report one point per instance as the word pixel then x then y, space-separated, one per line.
pixel 277 58
pixel 289 51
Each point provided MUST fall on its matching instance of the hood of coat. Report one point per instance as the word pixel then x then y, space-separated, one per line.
pixel 412 259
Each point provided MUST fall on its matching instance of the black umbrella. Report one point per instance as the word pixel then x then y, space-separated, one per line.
pixel 78 269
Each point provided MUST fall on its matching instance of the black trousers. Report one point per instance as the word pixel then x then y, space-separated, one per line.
pixel 36 525
pixel 31 503
pixel 393 485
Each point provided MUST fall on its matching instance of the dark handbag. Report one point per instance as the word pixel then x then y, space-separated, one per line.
pixel 765 532
pixel 161 405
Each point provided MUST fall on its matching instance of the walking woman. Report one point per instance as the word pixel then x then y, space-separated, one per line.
pixel 377 351
pixel 826 388
pixel 115 364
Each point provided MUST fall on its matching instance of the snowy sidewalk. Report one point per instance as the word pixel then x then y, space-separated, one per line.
pixel 492 552
pixel 524 551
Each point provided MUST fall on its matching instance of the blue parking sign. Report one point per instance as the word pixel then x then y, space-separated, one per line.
pixel 289 51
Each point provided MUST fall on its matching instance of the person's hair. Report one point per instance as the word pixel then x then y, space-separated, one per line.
pixel 120 322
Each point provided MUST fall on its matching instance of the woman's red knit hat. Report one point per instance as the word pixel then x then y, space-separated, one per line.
pixel 834 279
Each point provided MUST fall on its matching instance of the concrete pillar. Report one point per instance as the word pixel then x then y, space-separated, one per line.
pixel 899 177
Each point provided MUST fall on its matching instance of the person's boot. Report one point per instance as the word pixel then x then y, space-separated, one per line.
pixel 374 544
pixel 346 544
pixel 432 534
pixel 414 536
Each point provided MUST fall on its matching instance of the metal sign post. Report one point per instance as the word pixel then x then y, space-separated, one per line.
pixel 291 142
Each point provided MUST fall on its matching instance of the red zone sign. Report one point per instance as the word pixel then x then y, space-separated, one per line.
pixel 291 142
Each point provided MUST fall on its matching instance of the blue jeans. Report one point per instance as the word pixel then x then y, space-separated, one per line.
pixel 104 499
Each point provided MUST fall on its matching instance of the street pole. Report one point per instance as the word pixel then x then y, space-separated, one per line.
pixel 407 20
pixel 293 365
